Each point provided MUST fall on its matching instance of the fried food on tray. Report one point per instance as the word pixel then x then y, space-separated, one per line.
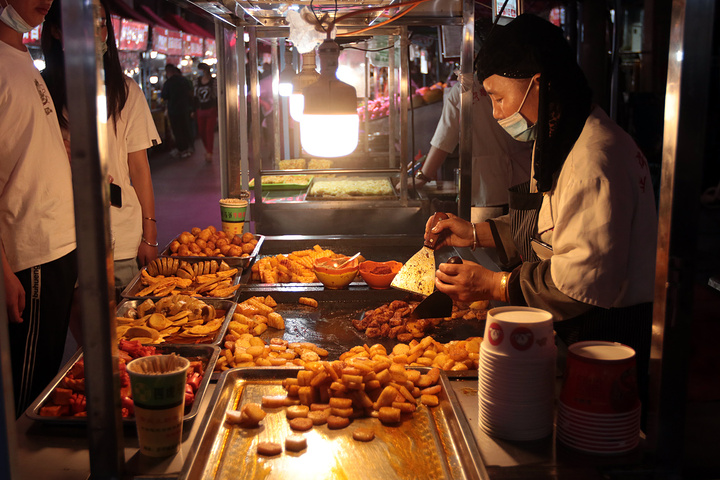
pixel 393 319
pixel 182 318
pixel 296 267
pixel 180 280
pixel 427 352
pixel 210 242
pixel 360 386
pixel 310 302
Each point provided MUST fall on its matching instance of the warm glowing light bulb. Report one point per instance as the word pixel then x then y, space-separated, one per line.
pixel 297 104
pixel 285 89
pixel 329 135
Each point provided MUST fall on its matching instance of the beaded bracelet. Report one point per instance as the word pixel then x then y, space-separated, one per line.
pixel 148 243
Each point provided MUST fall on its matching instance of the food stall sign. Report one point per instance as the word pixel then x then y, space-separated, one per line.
pixel 133 35
pixel 117 26
pixel 510 10
pixel 192 45
pixel 33 36
pixel 167 41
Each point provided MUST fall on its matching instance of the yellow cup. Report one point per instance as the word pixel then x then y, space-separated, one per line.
pixel 158 390
pixel 232 214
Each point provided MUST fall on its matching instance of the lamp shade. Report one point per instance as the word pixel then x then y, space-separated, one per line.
pixel 329 125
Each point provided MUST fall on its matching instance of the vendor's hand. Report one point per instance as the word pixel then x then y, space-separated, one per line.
pixel 459 234
pixel 14 297
pixel 468 282
pixel 146 253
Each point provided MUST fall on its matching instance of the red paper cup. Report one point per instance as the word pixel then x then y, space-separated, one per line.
pixel 600 377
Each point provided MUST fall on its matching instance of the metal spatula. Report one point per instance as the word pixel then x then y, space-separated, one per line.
pixel 418 273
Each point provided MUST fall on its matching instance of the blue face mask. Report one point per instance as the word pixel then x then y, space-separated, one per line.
pixel 516 125
pixel 12 19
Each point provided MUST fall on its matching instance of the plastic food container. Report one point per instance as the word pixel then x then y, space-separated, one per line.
pixel 331 276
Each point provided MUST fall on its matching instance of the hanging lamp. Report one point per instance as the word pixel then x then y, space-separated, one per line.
pixel 307 76
pixel 330 123
pixel 285 82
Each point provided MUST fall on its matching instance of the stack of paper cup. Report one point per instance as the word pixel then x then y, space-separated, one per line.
pixel 599 408
pixel 516 375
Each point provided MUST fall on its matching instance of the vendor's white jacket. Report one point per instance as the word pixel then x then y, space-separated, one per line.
pixel 600 218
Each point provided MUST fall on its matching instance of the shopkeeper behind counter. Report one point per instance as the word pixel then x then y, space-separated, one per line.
pixel 580 237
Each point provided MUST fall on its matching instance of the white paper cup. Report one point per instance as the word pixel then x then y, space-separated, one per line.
pixel 519 332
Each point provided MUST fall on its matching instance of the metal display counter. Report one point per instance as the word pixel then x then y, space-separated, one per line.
pixel 61 452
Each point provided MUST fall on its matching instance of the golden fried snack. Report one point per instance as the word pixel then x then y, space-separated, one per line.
pixel 310 302
pixel 269 449
pixel 296 267
pixel 210 242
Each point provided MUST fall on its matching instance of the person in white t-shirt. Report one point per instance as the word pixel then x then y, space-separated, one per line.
pixel 37 221
pixel 131 131
pixel 498 161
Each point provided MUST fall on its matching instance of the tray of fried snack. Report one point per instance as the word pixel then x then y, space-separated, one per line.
pixel 167 276
pixel 212 244
pixel 63 402
pixel 354 419
pixel 294 267
pixel 176 319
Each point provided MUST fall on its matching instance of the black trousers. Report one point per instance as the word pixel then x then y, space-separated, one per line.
pixel 37 344
pixel 182 130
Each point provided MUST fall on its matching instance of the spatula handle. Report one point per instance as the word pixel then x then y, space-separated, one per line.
pixel 434 238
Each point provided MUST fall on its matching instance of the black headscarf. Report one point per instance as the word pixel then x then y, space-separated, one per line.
pixel 523 48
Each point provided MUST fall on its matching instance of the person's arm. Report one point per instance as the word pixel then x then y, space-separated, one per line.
pixel 434 159
pixel 142 182
pixel 14 291
pixel 531 284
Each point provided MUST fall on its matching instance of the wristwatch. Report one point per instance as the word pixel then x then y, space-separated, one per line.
pixel 421 176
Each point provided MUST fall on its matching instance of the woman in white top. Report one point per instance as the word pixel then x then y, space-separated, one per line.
pixel 131 131
pixel 581 235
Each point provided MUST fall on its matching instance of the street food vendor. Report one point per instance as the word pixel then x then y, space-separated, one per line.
pixel 580 237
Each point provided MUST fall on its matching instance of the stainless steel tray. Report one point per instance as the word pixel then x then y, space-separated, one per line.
pixel 135 285
pixel 430 445
pixel 208 354
pixel 239 262
pixel 311 196
pixel 227 305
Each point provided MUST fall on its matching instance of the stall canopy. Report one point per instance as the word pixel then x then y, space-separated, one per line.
pixel 121 9
pixel 156 19
pixel 189 27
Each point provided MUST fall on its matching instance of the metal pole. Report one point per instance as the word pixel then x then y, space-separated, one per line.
pixel 242 108
pixel 255 114
pixel 274 54
pixel 92 224
pixel 224 82
pixel 404 125
pixel 392 117
pixel 466 99
pixel 686 101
